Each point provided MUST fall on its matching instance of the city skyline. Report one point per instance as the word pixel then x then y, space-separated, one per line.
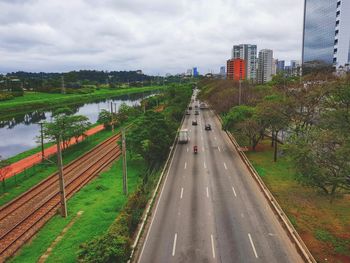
pixel 56 37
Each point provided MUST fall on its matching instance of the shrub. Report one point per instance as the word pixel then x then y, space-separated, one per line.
pixel 5 96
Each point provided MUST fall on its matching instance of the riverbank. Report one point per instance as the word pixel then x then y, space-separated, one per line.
pixel 20 183
pixel 29 161
pixel 39 101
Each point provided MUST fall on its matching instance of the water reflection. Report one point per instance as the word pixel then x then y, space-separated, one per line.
pixel 18 133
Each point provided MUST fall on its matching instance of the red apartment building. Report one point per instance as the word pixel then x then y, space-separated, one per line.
pixel 236 69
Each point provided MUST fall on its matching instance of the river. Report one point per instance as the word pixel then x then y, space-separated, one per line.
pixel 20 133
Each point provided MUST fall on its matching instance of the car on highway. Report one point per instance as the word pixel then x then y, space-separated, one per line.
pixel 196 112
pixel 194 122
pixel 208 127
pixel 190 107
pixel 188 112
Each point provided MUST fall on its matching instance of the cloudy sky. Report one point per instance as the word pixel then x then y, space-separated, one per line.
pixel 157 36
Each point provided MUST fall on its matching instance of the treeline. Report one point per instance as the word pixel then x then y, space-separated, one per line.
pixel 149 138
pixel 52 82
pixel 312 114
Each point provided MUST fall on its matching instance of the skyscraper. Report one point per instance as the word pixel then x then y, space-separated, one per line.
pixel 265 62
pixel 248 53
pixel 326 36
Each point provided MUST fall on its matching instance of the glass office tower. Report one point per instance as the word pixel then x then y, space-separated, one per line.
pixel 319 25
pixel 326 36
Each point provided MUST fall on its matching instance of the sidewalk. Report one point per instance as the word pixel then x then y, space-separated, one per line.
pixel 29 161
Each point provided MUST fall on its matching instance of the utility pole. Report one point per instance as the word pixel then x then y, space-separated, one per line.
pixel 61 179
pixel 42 142
pixel 240 92
pixel 125 172
pixel 63 87
pixel 112 116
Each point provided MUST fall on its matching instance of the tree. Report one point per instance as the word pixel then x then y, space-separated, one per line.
pixel 66 127
pixel 105 118
pixel 273 114
pixel 243 119
pixel 322 160
pixel 236 115
pixel 5 168
pixel 151 138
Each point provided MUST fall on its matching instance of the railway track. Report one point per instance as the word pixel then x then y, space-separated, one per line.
pixel 24 216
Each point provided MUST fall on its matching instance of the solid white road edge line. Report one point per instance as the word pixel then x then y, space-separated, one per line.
pixel 207 192
pixel 212 246
pixel 251 242
pixel 225 166
pixel 219 149
pixel 234 192
pixel 174 245
pixel 185 165
pixel 182 192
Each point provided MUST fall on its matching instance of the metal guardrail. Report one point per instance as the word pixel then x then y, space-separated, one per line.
pixel 285 222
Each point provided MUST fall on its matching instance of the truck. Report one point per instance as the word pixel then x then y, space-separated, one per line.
pixel 183 136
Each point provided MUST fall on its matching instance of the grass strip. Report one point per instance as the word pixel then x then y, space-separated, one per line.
pixel 328 236
pixel 101 201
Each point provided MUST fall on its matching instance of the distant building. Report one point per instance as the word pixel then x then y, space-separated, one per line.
pixel 189 72
pixel 326 34
pixel 274 66
pixel 236 69
pixel 280 65
pixel 248 53
pixel 139 72
pixel 195 72
pixel 222 70
pixel 265 62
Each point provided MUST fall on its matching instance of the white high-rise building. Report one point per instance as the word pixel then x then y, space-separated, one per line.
pixel 265 64
pixel 342 34
pixel 248 53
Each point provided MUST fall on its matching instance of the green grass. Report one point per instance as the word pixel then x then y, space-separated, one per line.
pixel 37 100
pixel 101 202
pixel 20 183
pixel 324 226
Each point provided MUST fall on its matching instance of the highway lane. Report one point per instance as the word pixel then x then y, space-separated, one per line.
pixel 210 209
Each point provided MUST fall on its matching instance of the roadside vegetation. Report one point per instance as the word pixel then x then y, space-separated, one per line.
pixel 302 127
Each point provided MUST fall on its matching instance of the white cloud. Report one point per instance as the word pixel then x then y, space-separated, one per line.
pixel 157 36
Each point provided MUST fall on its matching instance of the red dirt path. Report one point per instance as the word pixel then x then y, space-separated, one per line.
pixel 29 161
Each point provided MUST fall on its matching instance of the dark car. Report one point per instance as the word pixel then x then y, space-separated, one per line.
pixel 196 113
pixel 190 108
pixel 194 122
pixel 207 127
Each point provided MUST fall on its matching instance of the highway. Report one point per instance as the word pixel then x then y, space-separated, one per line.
pixel 210 209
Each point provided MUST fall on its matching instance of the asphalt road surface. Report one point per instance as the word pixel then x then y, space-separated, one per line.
pixel 210 209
